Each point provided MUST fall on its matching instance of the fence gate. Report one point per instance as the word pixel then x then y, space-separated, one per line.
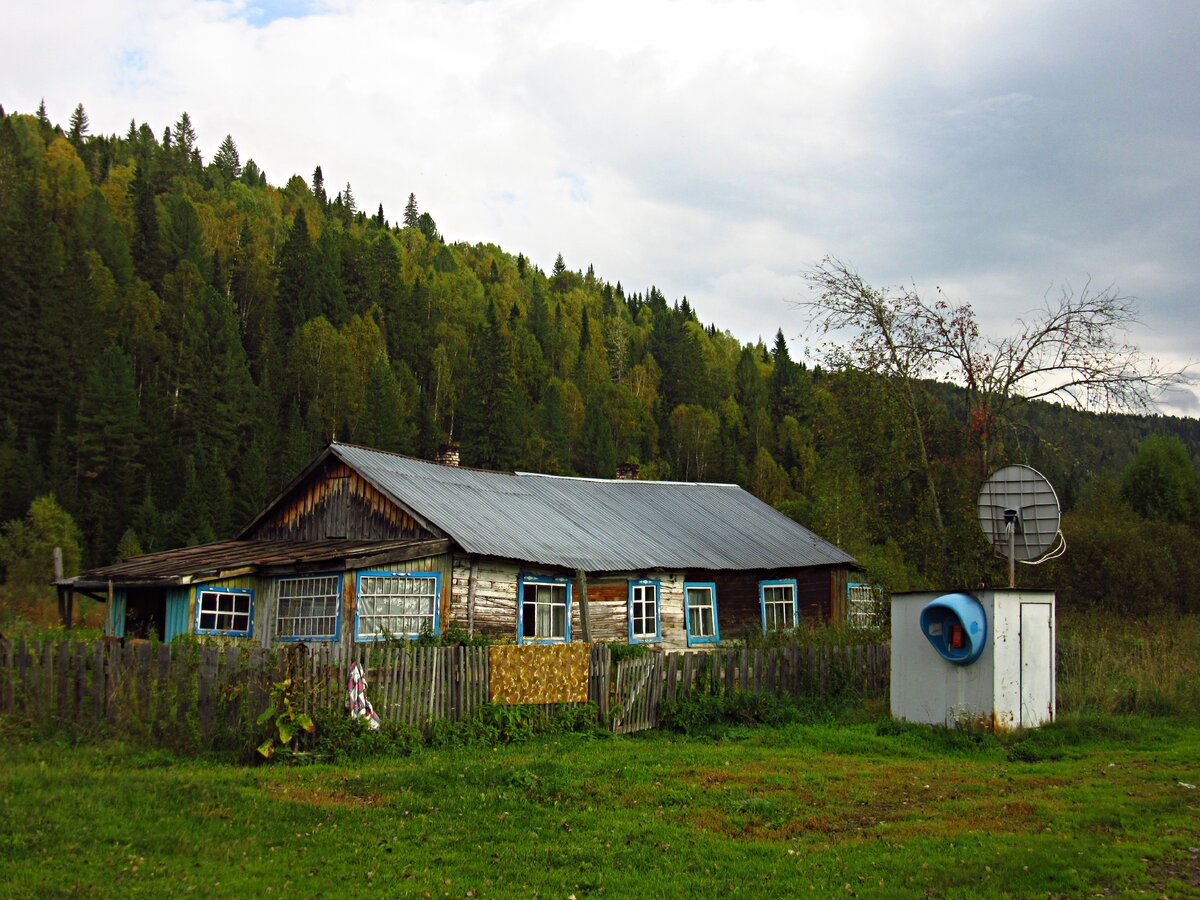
pixel 639 683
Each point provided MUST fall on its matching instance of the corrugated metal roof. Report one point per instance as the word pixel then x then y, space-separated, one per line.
pixel 595 524
pixel 210 560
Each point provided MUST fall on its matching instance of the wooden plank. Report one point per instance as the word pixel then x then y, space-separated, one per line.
pixel 415 694
pixel 207 676
pixel 232 685
pixel 140 673
pixel 78 679
pixel 62 680
pixel 48 671
pixel 18 687
pixel 159 694
pixel 8 662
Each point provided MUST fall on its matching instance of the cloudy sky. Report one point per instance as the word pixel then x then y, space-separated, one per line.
pixel 714 149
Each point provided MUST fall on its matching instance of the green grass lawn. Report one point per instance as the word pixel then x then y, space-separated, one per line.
pixel 870 808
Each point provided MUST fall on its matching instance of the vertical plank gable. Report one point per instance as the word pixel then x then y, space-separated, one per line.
pixel 337 502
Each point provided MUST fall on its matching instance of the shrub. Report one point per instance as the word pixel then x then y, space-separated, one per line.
pixel 698 712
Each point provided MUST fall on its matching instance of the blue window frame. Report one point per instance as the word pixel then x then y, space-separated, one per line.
pixel 700 613
pixel 779 604
pixel 645 613
pixel 543 610
pixel 308 608
pixel 396 604
pixel 224 610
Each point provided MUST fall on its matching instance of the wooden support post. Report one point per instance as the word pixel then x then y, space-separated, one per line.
pixel 63 615
pixel 585 623
pixel 472 581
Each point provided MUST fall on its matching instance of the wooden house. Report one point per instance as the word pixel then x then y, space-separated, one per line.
pixel 365 545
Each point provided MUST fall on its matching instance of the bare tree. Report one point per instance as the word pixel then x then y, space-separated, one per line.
pixel 887 337
pixel 1072 350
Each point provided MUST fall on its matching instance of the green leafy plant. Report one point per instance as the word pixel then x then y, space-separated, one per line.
pixel 288 721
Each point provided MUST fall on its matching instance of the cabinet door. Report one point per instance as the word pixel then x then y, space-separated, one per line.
pixel 1037 664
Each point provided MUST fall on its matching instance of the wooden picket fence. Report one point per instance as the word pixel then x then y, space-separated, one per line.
pixel 207 696
pixel 642 684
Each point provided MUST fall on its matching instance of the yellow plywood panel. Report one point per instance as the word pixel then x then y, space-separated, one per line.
pixel 553 673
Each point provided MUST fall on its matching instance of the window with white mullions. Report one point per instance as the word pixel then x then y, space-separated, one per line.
pixel 399 604
pixel 543 611
pixel 643 612
pixel 778 605
pixel 701 613
pixel 307 608
pixel 224 611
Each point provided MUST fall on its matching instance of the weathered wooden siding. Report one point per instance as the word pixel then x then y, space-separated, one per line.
pixel 496 584
pixel 814 593
pixel 608 609
pixel 338 503
pixel 268 594
pixel 495 596
pixel 738 608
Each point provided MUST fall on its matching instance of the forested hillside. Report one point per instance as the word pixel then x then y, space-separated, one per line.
pixel 180 336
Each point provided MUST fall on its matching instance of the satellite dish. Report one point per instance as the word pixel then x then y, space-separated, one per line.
pixel 1020 516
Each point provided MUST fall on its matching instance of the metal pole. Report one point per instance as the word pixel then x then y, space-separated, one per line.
pixel 1012 553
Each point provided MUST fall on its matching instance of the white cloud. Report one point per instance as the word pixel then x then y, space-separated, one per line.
pixel 714 149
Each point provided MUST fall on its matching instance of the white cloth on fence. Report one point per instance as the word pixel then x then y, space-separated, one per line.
pixel 356 697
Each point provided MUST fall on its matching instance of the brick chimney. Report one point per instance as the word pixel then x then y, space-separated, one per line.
pixel 448 454
pixel 628 471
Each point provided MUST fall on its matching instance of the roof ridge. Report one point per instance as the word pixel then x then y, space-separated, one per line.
pixel 627 480
pixel 420 459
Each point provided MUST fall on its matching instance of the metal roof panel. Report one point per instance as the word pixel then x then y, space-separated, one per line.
pixel 595 524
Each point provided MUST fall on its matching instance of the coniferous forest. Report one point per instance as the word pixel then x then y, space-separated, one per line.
pixel 180 336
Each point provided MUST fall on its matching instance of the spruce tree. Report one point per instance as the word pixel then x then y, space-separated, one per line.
pixel 227 161
pixel 411 215
pixel 79 127
pixel 494 427
pixel 296 265
pixel 318 188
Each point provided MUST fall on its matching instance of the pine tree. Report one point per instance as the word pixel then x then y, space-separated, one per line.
pixel 147 239
pixel 185 137
pixel 79 127
pixel 554 430
pixel 428 227
pixel 411 214
pixel 106 444
pixel 227 161
pixel 596 453
pixel 318 188
pixel 494 427
pixel 298 301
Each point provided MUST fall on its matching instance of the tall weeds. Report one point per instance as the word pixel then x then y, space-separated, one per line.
pixel 1113 664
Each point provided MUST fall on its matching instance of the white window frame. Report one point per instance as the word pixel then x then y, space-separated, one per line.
pixel 711 606
pixel 227 607
pixel 862 605
pixel 392 597
pixel 296 616
pixel 546 593
pixel 770 597
pixel 643 592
